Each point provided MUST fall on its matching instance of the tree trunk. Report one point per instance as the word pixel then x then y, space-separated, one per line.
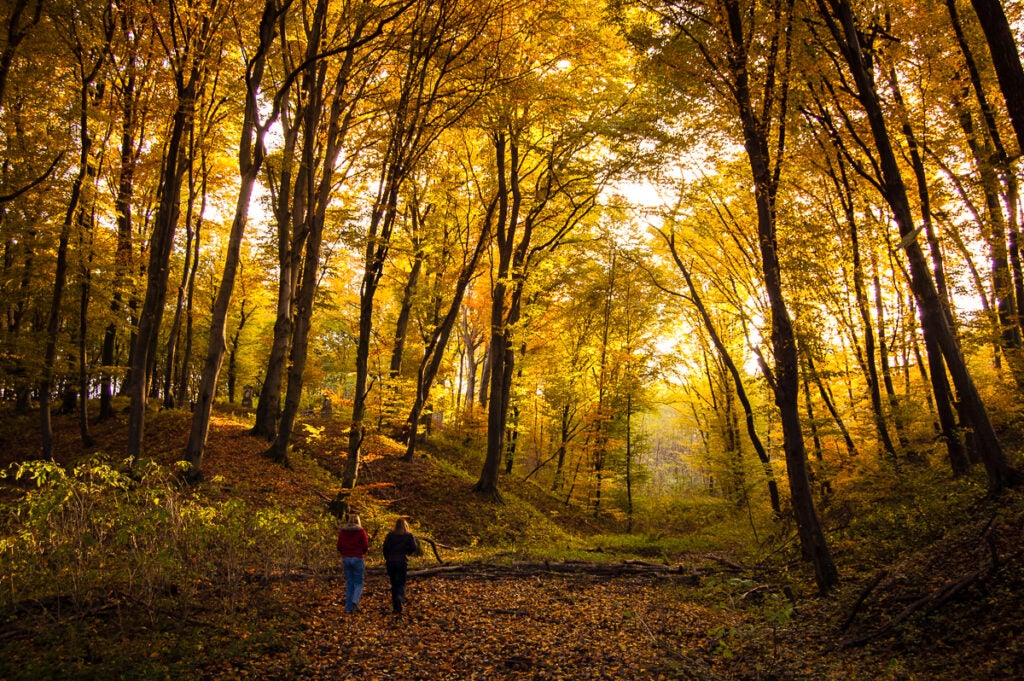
pixel 867 324
pixel 268 408
pixel 17 30
pixel 190 234
pixel 438 342
pixel 508 216
pixel 405 312
pixel 485 377
pixel 787 384
pixel 157 271
pixel 85 251
pixel 563 443
pixel 73 215
pixel 123 257
pixel 1000 473
pixel 826 397
pixel 1006 58
pixel 233 353
pixel 741 393
pixel 883 364
pixel 250 159
pixel 300 337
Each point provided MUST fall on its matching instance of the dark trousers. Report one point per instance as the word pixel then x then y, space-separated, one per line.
pixel 397 574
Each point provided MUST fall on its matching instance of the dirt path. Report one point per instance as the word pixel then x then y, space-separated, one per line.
pixel 537 628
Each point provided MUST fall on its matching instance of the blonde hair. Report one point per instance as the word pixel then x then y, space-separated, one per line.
pixel 353 519
pixel 402 526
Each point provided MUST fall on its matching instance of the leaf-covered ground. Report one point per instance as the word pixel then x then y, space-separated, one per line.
pixel 535 628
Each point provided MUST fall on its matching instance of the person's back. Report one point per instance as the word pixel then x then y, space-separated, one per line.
pixel 353 542
pixel 352 545
pixel 398 546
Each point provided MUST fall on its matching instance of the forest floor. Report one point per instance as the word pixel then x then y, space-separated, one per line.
pixel 947 609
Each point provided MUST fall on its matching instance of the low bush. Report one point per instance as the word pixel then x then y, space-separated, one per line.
pixel 99 532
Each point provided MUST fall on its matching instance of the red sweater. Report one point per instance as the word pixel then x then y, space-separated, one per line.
pixel 353 542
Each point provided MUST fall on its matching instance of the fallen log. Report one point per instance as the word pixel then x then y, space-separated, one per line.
pixel 566 568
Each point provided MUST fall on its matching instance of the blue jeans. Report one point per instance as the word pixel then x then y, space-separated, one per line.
pixel 354 569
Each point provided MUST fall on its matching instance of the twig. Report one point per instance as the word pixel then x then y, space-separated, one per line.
pixel 929 601
pixel 433 545
pixel 865 592
pixel 508 611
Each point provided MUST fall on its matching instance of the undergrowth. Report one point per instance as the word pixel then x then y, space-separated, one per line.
pixel 82 536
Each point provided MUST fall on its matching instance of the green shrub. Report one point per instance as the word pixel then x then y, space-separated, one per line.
pixel 97 532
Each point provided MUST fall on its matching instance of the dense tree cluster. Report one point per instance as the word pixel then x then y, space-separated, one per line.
pixel 636 243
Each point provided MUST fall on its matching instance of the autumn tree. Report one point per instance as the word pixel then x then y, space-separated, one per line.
pixel 437 78
pixel 543 136
pixel 251 152
pixel 842 26
pixel 189 38
pixel 465 242
pixel 744 53
pixel 90 54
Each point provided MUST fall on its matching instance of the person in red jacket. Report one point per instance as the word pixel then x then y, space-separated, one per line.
pixel 352 545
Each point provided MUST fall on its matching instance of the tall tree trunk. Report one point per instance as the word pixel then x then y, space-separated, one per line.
pixel 1002 161
pixel 629 463
pixel 74 215
pixel 160 247
pixel 410 134
pixel 405 311
pixel 233 352
pixel 289 212
pixel 338 122
pixel 842 183
pixel 268 407
pixel 563 444
pixel 123 256
pixel 783 339
pixel 883 363
pixel 190 234
pixel 53 325
pixel 184 375
pixel 1005 322
pixel 934 318
pixel 509 201
pixel 826 397
pixel 470 342
pixel 1006 58
pixel 485 377
pixel 250 159
pixel 86 251
pixel 278 451
pixel 441 333
pixel 730 365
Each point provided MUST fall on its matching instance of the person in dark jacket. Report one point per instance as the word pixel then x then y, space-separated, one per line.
pixel 352 545
pixel 398 546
